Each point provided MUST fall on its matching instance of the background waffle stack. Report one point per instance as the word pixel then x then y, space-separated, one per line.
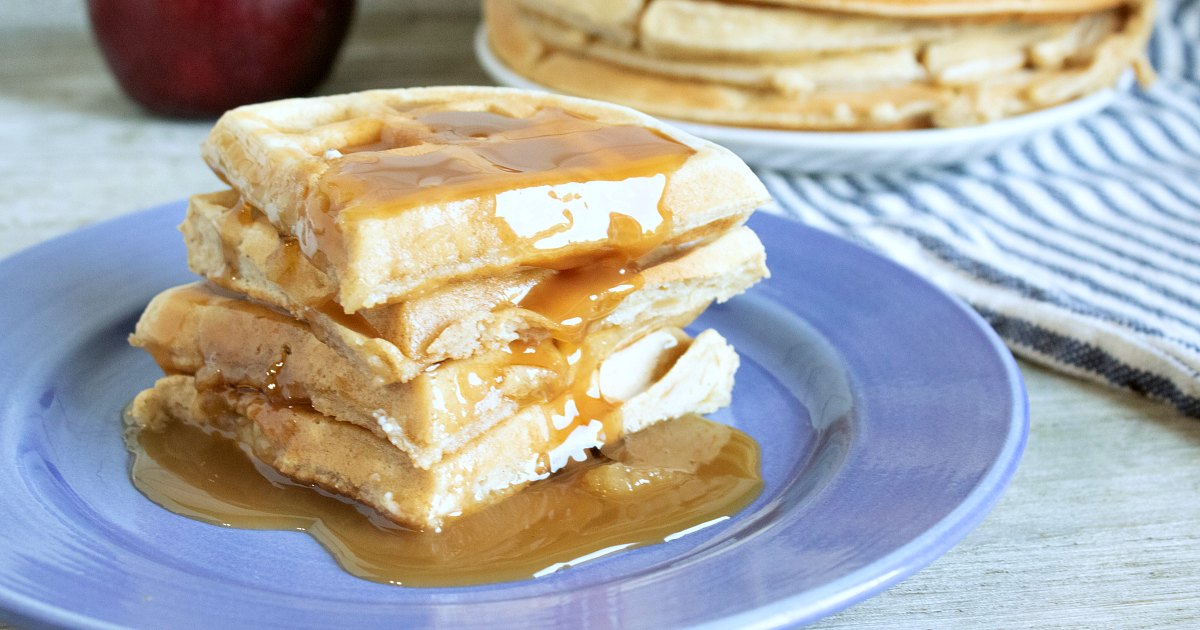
pixel 825 64
pixel 425 299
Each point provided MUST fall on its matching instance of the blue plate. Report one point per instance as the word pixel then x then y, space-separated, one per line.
pixel 890 419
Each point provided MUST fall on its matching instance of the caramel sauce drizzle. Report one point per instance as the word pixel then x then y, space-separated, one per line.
pixel 574 298
pixel 582 404
pixel 445 156
pixel 556 179
pixel 453 155
pixel 476 380
pixel 544 176
pixel 632 496
pixel 353 321
pixel 426 157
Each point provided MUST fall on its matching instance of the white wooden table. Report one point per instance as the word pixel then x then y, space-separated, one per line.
pixel 1100 528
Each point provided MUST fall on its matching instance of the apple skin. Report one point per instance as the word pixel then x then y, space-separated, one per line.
pixel 199 58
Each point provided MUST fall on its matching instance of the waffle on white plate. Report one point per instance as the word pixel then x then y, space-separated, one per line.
pixel 825 64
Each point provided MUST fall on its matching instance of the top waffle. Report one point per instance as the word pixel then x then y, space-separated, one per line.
pixel 395 191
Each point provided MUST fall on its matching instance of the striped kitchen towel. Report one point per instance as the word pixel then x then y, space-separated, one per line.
pixel 1082 248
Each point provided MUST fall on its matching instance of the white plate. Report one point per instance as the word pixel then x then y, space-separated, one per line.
pixel 853 152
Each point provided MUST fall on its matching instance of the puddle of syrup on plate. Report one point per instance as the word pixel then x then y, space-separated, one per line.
pixel 659 484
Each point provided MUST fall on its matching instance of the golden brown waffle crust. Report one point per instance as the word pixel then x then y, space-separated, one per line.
pixel 352 461
pixel 274 155
pixel 718 269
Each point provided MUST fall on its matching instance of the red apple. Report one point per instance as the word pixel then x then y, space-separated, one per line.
pixel 198 58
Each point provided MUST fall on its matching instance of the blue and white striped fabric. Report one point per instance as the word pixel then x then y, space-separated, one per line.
pixel 1082 249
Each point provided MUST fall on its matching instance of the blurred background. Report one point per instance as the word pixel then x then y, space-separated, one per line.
pixel 53 68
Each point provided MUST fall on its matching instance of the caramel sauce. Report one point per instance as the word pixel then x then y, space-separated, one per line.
pixel 583 403
pixel 544 354
pixel 446 156
pixel 576 403
pixel 457 126
pixel 272 387
pixel 574 298
pixel 243 212
pixel 353 321
pixel 640 492
pixel 475 380
pixel 240 216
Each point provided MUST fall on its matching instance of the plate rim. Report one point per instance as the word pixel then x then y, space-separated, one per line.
pixel 802 607
pixel 940 537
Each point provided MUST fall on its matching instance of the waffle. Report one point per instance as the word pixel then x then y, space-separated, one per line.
pixel 952 8
pixel 202 331
pixel 795 68
pixel 352 461
pixel 393 192
pixel 615 20
pixel 618 20
pixel 398 342
pixel 425 299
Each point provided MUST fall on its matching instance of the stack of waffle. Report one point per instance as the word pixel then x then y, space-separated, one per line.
pixel 825 64
pixel 426 299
